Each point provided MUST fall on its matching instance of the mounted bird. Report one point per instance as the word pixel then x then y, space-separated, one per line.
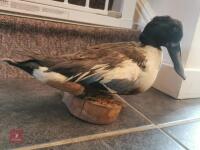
pixel 124 67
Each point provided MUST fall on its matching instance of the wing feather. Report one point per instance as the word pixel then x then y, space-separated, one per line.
pixel 87 66
pixel 96 60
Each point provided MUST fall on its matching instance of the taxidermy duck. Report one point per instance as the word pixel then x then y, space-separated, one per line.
pixel 124 67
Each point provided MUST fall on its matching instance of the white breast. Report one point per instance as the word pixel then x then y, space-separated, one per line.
pixel 126 70
pixel 129 70
pixel 43 76
pixel 148 76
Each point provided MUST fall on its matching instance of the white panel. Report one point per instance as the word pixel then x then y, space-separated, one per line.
pixel 106 5
pixel 4 3
pixel 168 81
pixel 171 84
pixel 87 3
pixel 100 20
pixel 193 58
pixel 190 88
pixel 128 8
pixel 66 5
pixel 117 5
pixel 59 11
pixel 24 6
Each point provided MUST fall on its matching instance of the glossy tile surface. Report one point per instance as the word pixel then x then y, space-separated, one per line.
pixel 38 111
pixel 147 140
pixel 161 108
pixel 187 134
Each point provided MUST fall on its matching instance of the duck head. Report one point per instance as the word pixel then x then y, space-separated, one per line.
pixel 168 32
pixel 28 66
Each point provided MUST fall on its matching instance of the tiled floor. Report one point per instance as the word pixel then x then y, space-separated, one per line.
pixel 188 134
pixel 46 123
pixel 161 108
pixel 144 140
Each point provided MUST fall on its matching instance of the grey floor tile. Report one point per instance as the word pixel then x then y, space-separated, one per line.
pixel 146 140
pixel 40 113
pixel 161 108
pixel 187 134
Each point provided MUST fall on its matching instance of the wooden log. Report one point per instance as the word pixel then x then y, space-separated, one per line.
pixel 98 111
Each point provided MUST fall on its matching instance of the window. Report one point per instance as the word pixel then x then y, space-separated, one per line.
pixel 117 13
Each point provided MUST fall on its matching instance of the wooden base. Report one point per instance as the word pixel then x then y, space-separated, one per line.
pixel 96 112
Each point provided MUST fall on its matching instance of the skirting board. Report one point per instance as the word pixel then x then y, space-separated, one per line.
pixel 190 88
pixel 170 83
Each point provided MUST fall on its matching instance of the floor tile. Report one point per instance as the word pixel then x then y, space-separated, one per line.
pixel 38 111
pixel 161 108
pixel 187 134
pixel 146 140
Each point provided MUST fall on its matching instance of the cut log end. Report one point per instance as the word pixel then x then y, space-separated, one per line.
pixel 99 111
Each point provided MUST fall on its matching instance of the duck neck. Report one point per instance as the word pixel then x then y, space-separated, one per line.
pixel 152 45
pixel 154 56
pixel 146 40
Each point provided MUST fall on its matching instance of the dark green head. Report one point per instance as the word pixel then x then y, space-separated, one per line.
pixel 168 32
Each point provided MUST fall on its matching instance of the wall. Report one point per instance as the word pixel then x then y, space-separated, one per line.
pixel 167 81
pixel 184 10
pixel 193 58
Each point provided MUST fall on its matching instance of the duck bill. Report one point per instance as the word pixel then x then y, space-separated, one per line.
pixel 175 54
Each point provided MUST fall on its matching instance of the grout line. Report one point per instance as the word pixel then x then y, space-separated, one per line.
pixel 174 139
pixel 87 138
pixel 175 123
pixel 117 132
pixel 125 102
pixel 178 122
pixel 107 146
pixel 132 107
pixel 160 126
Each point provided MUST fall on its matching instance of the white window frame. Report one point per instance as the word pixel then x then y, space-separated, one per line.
pixel 65 12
